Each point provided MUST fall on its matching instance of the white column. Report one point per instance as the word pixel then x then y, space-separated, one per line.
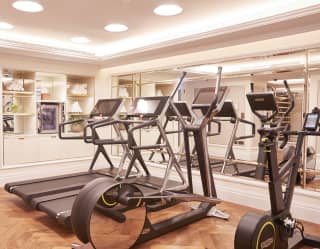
pixel 1 123
pixel 313 102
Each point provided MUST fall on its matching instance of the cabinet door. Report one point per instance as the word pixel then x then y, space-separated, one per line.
pixel 74 149
pixel 23 150
pixel 48 148
pixel 19 150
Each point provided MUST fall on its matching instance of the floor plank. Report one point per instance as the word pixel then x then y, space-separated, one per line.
pixel 23 228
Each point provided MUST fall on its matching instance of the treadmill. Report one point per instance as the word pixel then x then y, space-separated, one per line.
pixel 229 114
pixel 37 191
pixel 56 195
pixel 172 117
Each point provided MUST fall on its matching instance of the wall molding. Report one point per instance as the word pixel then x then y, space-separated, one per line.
pixel 48 51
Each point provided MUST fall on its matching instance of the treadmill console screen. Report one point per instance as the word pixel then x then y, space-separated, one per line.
pixel 204 97
pixel 146 106
pixel 311 122
pixel 106 107
pixel 264 101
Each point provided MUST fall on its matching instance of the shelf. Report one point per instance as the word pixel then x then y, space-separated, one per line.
pixel 18 93
pixel 78 96
pixel 26 135
pixel 20 114
pixel 123 85
pixel 50 101
pixel 78 114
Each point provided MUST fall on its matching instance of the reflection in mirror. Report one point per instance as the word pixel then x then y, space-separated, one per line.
pixel 234 148
pixel 311 173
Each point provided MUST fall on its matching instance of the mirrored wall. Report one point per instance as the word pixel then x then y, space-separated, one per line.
pixel 234 148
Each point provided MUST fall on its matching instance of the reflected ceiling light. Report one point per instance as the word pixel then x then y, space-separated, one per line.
pixel 27 6
pixel 168 10
pixel 116 27
pixel 80 39
pixel 5 25
pixel 142 106
pixel 229 68
pixel 7 77
pixel 290 81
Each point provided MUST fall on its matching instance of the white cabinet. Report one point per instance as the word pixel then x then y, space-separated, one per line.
pixel 74 149
pixel 19 150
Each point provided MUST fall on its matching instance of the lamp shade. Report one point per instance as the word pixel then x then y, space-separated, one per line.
pixel 75 107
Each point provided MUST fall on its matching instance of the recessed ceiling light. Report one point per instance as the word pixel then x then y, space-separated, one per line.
pixel 80 40
pixel 168 10
pixel 27 6
pixel 116 27
pixel 5 25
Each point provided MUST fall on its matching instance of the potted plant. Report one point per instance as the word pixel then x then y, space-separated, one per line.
pixel 78 126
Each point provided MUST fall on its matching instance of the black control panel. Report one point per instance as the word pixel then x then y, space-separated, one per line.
pixel 311 122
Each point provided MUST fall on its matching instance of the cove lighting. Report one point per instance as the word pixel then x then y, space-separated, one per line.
pixel 5 25
pixel 168 10
pixel 80 40
pixel 27 6
pixel 116 27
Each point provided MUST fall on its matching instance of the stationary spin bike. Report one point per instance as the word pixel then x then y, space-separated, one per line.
pixel 277 229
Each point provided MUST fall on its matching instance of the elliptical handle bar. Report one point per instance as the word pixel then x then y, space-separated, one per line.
pixel 291 98
pixel 214 101
pixel 171 103
pixel 252 87
pixel 305 133
pixel 178 86
pixel 286 133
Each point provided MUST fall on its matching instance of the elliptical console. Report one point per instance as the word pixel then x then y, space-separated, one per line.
pixel 277 229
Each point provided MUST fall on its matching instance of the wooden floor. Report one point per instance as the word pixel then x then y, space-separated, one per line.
pixel 23 228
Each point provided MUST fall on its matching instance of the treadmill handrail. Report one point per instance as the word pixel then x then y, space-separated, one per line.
pixel 253 129
pixel 131 140
pixel 211 134
pixel 62 126
pixel 105 123
pixel 88 138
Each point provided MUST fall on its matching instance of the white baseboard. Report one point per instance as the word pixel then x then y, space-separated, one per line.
pixel 241 152
pixel 42 170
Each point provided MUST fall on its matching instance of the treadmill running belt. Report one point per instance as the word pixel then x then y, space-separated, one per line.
pixel 29 191
pixel 59 209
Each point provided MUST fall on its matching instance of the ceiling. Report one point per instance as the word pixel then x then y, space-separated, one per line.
pixel 63 19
